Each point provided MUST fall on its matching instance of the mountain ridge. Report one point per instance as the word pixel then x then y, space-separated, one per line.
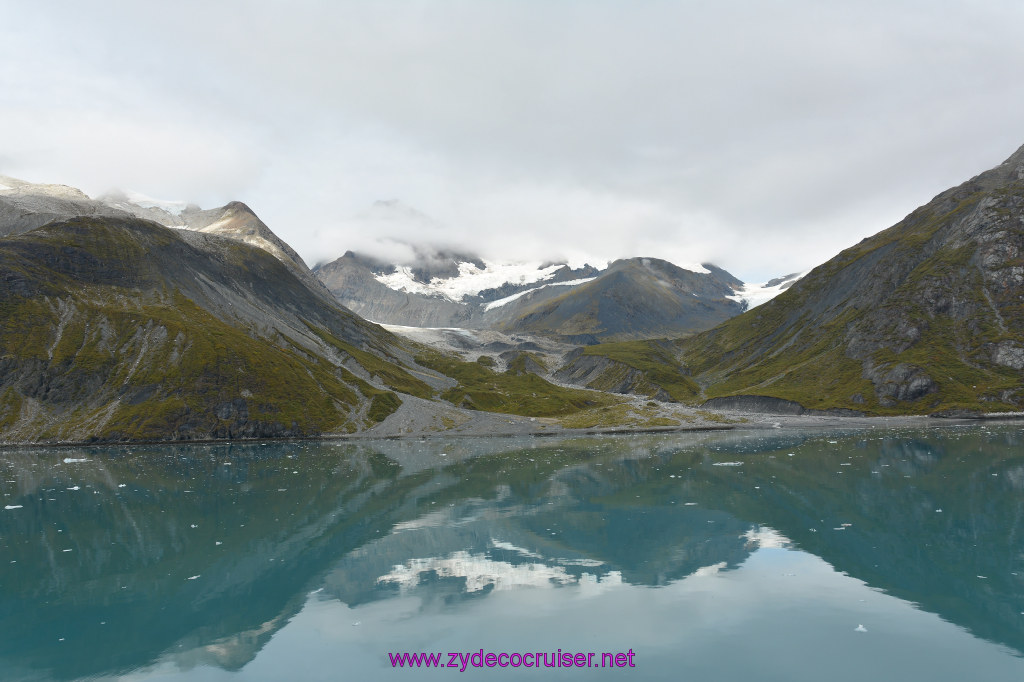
pixel 664 299
pixel 924 316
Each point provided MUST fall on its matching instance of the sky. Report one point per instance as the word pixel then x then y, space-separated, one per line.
pixel 764 137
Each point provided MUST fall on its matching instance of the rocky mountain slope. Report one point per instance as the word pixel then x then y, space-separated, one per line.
pixel 118 328
pixel 923 317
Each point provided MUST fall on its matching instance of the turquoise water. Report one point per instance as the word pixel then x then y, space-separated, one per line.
pixel 783 555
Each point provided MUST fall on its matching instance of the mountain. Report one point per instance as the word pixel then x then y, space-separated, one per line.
pixel 117 328
pixel 923 317
pixel 442 288
pixel 635 298
pixel 631 298
pixel 25 206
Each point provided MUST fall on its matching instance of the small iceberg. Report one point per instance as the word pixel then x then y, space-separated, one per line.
pixel 860 628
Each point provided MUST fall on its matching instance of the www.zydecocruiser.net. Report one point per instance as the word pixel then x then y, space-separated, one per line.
pixel 461 660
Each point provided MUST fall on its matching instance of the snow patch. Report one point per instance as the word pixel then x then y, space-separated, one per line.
pixel 767 538
pixel 713 569
pixel 480 572
pixel 756 294
pixel 508 546
pixel 173 207
pixel 471 279
pixel 4 187
pixel 508 299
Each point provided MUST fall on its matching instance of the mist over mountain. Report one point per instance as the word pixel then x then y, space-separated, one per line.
pixel 424 284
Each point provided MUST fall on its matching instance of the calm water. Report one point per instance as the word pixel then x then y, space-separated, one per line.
pixel 858 555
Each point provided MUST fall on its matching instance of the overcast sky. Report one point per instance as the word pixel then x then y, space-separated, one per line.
pixel 762 136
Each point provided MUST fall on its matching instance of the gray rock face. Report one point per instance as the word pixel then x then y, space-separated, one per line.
pixel 1009 354
pixel 899 382
pixel 760 404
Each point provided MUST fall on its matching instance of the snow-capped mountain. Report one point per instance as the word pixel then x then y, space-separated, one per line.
pixel 630 298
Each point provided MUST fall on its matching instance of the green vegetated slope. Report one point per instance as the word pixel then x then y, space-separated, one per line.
pixel 925 316
pixel 121 329
pixel 647 368
pixel 519 392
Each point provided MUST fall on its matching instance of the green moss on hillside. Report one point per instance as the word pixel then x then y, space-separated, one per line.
pixel 388 373
pixel 655 359
pixel 480 388
pixel 166 367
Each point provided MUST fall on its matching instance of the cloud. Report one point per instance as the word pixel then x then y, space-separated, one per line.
pixel 764 136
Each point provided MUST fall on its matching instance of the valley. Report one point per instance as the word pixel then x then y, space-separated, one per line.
pixel 130 319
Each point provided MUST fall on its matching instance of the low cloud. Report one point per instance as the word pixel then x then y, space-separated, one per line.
pixel 765 137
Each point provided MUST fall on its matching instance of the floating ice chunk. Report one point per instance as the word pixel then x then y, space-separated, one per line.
pixel 74 488
pixel 727 464
pixel 193 577
pixel 860 628
pixel 13 506
pixel 73 460
pixel 122 485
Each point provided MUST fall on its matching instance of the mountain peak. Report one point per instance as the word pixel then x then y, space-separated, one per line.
pixel 239 207
pixel 1014 164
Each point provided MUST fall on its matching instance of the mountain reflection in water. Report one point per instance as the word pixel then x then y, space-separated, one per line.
pixel 116 560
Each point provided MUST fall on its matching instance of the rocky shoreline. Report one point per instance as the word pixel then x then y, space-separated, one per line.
pixel 491 425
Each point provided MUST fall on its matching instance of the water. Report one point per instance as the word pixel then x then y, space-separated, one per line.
pixel 858 555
